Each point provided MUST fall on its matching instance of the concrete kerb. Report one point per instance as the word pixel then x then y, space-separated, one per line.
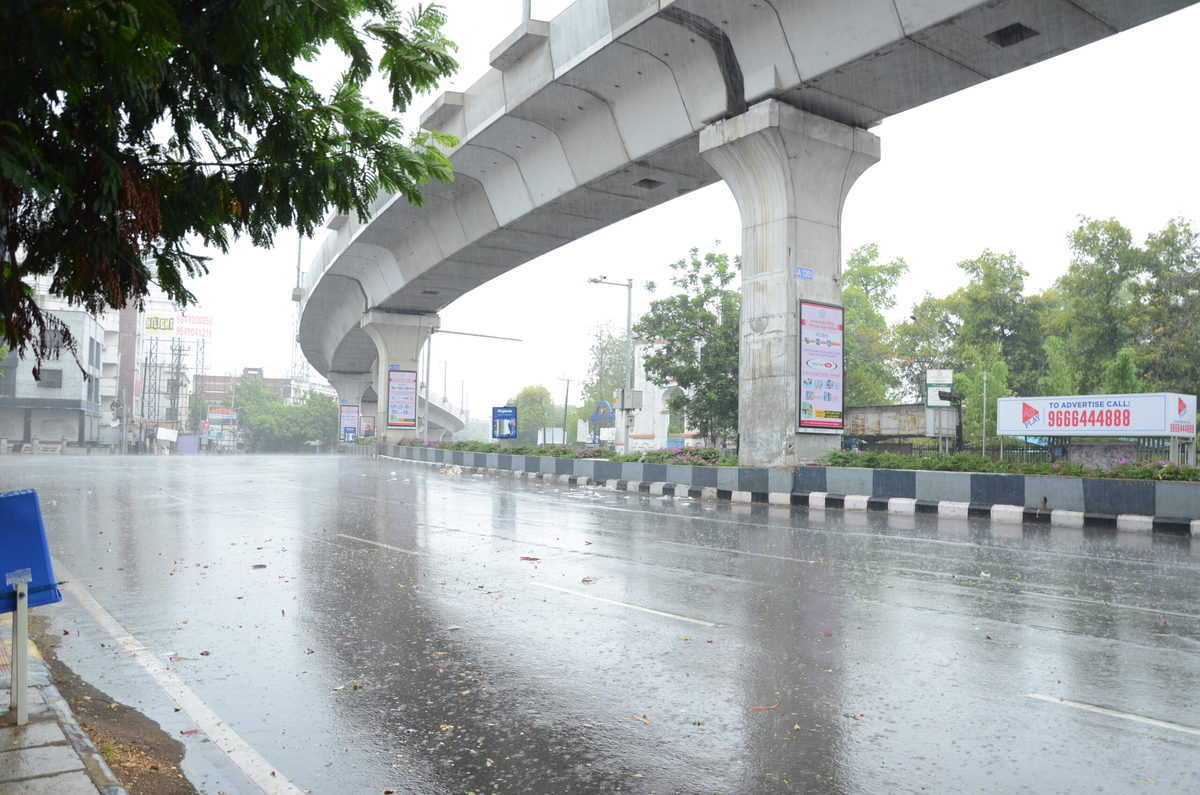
pixel 927 483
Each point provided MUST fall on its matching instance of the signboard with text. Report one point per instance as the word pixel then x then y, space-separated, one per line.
pixel 159 324
pixel 1154 414
pixel 822 362
pixel 936 382
pixel 504 422
pixel 348 422
pixel 401 397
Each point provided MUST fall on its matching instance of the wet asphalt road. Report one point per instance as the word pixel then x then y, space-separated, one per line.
pixel 397 639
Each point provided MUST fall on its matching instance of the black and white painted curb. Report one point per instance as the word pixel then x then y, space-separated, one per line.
pixel 819 500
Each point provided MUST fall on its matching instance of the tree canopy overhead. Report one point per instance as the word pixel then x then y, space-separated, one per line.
pixel 134 130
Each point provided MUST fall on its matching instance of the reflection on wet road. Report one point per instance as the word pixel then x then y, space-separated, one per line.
pixel 362 625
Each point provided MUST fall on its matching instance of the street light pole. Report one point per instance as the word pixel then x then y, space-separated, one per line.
pixel 629 363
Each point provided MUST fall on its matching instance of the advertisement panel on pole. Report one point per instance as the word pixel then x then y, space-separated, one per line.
pixel 401 397
pixel 822 362
pixel 1154 414
pixel 504 422
pixel 348 422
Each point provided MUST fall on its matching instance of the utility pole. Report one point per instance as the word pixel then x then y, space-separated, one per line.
pixel 983 433
pixel 566 399
pixel 627 396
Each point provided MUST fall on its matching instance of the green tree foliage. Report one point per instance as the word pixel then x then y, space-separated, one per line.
pixel 1058 378
pixel 1098 297
pixel 608 368
pixel 133 130
pixel 980 394
pixel 868 290
pixel 1121 374
pixel 696 332
pixel 535 410
pixel 273 427
pixel 925 341
pixel 993 308
pixel 1168 314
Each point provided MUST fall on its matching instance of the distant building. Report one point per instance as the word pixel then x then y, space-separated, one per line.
pixel 65 404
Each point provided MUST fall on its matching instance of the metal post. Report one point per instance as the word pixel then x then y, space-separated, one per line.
pixel 428 365
pixel 983 432
pixel 566 399
pixel 18 701
pixel 527 11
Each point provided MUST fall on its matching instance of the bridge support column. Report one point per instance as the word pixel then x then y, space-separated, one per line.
pixel 398 343
pixel 790 172
pixel 350 386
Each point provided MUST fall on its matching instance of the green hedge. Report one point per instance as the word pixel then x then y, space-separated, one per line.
pixel 966 462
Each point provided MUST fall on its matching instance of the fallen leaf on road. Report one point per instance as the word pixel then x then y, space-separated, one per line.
pixel 587 543
pixel 204 653
pixel 530 558
pixel 773 706
pixel 188 732
pixel 641 718
pixel 588 580
pixel 182 659
pixel 259 566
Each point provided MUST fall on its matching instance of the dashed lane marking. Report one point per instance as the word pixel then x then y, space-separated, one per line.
pixel 639 608
pixel 381 544
pixel 1114 713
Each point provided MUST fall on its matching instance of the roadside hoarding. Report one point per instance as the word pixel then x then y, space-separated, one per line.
pixel 504 422
pixel 822 361
pixel 162 324
pixel 1153 414
pixel 221 416
pixel 348 422
pixel 401 397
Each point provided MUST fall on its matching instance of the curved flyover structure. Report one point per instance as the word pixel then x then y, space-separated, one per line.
pixel 615 106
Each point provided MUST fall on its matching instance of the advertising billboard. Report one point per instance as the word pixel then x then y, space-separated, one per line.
pixel 348 422
pixel 822 364
pixel 504 422
pixel 401 397
pixel 160 324
pixel 1153 414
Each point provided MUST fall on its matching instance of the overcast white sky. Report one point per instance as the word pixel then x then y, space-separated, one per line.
pixel 1107 130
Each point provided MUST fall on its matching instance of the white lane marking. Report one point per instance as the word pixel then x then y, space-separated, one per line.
pixel 249 761
pixel 626 604
pixel 381 544
pixel 1113 713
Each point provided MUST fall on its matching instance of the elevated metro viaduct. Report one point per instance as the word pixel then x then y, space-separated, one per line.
pixel 615 106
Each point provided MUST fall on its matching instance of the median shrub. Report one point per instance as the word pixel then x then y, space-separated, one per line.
pixel 968 462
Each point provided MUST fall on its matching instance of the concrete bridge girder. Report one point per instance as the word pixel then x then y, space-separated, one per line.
pixel 597 115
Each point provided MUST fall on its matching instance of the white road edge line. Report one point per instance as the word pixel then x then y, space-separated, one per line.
pixel 265 775
pixel 1112 713
pixel 381 544
pixel 626 604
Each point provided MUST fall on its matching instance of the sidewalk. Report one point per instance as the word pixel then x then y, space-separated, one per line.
pixel 51 754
